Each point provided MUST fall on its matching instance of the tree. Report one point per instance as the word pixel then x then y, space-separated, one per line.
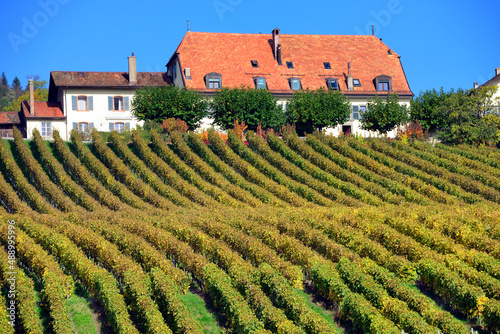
pixel 425 109
pixel 39 95
pixel 16 86
pixel 467 114
pixel 249 105
pixel 384 116
pixel 311 110
pixel 4 79
pixel 159 103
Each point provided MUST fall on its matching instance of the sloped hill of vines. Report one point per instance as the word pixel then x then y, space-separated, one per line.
pixel 281 235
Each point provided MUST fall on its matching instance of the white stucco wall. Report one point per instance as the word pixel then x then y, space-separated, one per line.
pixel 100 116
pixel 55 125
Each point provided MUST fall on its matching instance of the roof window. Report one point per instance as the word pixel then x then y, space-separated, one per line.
pixel 356 83
pixel 295 84
pixel 255 63
pixel 289 64
pixel 327 65
pixel 332 83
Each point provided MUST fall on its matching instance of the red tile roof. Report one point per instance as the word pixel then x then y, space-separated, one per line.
pixel 43 110
pixel 9 117
pixel 230 55
pixel 107 79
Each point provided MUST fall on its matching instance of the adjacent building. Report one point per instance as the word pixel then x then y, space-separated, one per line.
pixel 358 66
pixel 495 81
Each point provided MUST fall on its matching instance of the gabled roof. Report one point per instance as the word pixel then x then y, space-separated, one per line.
pixel 231 54
pixel 493 81
pixel 9 117
pixel 43 110
pixel 103 80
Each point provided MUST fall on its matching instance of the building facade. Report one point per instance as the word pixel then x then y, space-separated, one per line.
pixel 358 66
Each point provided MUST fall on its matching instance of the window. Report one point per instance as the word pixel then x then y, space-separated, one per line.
pixel 46 129
pixel 213 80
pixel 295 84
pixel 118 103
pixel 356 83
pixel 332 83
pixel 82 103
pixel 362 110
pixel 119 127
pixel 289 64
pixel 383 83
pixel 83 127
pixel 213 83
pixel 260 83
pixel 327 65
pixel 255 63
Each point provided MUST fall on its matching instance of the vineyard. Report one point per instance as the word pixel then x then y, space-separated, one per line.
pixel 276 235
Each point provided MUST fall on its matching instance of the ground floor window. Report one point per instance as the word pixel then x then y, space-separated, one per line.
pixel 119 127
pixel 83 127
pixel 46 129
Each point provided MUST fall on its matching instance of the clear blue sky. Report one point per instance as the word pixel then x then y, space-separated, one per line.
pixel 442 43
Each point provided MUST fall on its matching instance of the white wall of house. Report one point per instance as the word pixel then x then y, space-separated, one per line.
pixel 100 116
pixel 46 128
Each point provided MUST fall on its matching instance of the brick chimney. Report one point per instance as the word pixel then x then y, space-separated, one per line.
pixel 497 71
pixel 276 45
pixel 132 69
pixel 32 98
pixel 476 85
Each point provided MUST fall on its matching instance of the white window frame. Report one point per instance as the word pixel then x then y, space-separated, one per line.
pixel 46 129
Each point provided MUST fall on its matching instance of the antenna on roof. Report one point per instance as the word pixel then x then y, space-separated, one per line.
pixel 188 24
pixel 373 30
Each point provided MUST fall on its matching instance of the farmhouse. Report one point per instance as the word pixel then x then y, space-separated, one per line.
pixel 358 66
pixel 495 81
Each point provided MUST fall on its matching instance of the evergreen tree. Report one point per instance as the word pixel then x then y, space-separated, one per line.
pixel 4 79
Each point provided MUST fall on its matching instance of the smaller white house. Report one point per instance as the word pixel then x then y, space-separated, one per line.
pixel 90 100
pixel 495 81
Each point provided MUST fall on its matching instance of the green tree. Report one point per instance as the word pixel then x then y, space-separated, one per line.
pixel 159 103
pixel 39 95
pixel 16 87
pixel 467 117
pixel 384 116
pixel 4 79
pixel 425 109
pixel 250 105
pixel 311 110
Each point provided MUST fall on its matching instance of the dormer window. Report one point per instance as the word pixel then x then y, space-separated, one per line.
pixel 327 65
pixel 383 83
pixel 213 80
pixel 295 84
pixel 356 83
pixel 260 83
pixel 255 63
pixel 289 64
pixel 332 83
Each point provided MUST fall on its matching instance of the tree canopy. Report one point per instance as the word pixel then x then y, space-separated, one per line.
pixel 314 110
pixel 383 116
pixel 250 105
pixel 160 103
pixel 425 109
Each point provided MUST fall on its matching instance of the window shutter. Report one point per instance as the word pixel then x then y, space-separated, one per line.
pixel 127 103
pixel 91 103
pixel 91 126
pixel 111 126
pixel 73 102
pixel 110 103
pixel 75 126
pixel 127 126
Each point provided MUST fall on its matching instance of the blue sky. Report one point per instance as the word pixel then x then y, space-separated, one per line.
pixel 448 44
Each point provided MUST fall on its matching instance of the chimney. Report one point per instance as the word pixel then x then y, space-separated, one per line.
pixel 476 85
pixel 276 42
pixel 132 69
pixel 350 85
pixel 497 71
pixel 32 98
pixel 279 55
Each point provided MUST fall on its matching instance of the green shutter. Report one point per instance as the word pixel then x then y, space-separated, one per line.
pixel 73 102
pixel 91 103
pixel 75 126
pixel 127 126
pixel 110 103
pixel 91 126
pixel 111 126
